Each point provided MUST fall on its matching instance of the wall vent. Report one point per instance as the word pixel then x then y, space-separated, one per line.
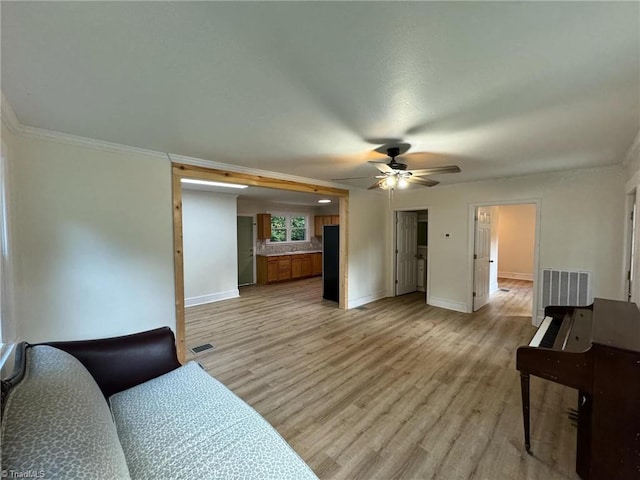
pixel 565 287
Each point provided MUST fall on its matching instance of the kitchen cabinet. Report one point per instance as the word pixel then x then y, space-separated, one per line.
pixel 296 266
pixel 320 221
pixel 306 265
pixel 272 270
pixel 264 226
pixel 284 267
pixel 316 264
pixel 280 268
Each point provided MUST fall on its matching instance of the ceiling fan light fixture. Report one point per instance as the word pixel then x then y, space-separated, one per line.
pixel 403 182
pixel 391 181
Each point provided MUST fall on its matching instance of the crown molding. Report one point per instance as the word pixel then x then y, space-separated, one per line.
pixel 634 151
pixel 13 124
pixel 8 115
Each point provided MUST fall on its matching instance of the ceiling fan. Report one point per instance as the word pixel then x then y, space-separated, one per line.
pixel 394 174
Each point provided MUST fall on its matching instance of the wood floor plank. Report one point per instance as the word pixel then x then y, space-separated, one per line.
pixel 394 390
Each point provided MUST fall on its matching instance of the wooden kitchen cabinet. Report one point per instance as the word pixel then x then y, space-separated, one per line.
pixel 264 226
pixel 296 266
pixel 281 268
pixel 335 220
pixel 316 264
pixel 272 270
pixel 267 269
pixel 284 268
pixel 306 266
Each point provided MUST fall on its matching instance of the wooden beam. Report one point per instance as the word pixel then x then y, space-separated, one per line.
pixel 178 262
pixel 201 173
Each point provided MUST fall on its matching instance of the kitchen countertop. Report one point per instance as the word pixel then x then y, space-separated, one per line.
pixel 299 252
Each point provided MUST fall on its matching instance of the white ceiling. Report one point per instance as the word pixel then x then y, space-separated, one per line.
pixel 311 88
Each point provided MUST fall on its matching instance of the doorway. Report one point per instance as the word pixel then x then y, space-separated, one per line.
pixel 411 251
pixel 181 172
pixel 505 252
pixel 245 250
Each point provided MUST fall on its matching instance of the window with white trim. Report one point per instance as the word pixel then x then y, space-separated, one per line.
pixel 289 227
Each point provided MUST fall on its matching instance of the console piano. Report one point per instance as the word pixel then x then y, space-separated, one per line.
pixel 596 350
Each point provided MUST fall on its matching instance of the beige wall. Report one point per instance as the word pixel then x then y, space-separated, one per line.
pixel 93 241
pixel 582 225
pixel 516 234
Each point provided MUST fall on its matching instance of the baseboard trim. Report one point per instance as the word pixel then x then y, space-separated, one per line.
pixel 448 304
pixel 366 299
pixel 210 298
pixel 516 276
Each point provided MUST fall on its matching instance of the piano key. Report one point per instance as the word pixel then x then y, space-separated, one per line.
pixel 542 329
pixel 549 338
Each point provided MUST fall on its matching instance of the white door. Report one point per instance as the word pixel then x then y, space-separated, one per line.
pixel 406 252
pixel 481 257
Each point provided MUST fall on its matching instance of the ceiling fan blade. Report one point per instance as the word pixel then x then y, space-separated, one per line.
pixel 351 178
pixel 425 182
pixel 382 166
pixel 376 185
pixel 434 170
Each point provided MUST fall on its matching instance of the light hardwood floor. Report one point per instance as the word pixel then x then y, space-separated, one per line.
pixel 396 389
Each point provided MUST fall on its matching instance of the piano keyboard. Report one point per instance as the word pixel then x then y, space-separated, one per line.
pixel 547 333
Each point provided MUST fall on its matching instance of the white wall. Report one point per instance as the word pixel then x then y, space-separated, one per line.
pixel 582 224
pixel 209 238
pixel 369 247
pixel 93 241
pixel 516 233
pixel 8 327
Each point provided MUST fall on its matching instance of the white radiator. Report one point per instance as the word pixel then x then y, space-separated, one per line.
pixel 565 287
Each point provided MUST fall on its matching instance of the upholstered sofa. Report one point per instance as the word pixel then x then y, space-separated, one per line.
pixel 124 407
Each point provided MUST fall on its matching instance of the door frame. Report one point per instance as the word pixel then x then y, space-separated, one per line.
pixel 391 288
pixel 181 170
pixel 630 244
pixel 535 321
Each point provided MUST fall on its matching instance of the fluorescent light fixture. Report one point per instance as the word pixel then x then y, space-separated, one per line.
pixel 212 184
pixel 324 200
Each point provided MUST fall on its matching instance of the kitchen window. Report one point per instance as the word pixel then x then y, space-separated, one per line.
pixel 289 227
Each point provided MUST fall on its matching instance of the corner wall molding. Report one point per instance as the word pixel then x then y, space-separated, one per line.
pixel 516 276
pixel 448 304
pixel 212 297
pixel 633 152
pixel 366 299
pixel 9 116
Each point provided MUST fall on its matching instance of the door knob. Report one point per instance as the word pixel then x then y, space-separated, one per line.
pixel 490 261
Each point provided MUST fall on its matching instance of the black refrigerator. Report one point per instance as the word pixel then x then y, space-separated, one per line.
pixel 330 262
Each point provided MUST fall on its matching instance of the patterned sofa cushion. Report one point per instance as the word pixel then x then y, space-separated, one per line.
pixel 57 424
pixel 185 424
